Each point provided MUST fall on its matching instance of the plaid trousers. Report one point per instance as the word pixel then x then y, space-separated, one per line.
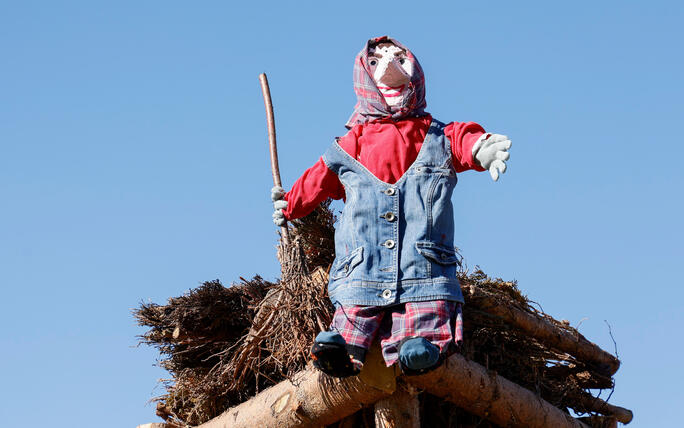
pixel 438 321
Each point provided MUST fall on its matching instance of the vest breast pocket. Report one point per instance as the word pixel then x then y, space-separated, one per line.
pixel 430 169
pixel 346 265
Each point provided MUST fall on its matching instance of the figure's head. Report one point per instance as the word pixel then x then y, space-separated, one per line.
pixel 388 82
pixel 391 72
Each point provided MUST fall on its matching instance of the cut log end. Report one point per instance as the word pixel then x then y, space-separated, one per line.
pixel 399 410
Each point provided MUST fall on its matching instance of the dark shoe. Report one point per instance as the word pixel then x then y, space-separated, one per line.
pixel 417 356
pixel 329 355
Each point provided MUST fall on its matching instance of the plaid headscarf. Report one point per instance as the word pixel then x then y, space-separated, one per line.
pixel 371 104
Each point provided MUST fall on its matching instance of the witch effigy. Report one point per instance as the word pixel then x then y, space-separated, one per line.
pixel 394 274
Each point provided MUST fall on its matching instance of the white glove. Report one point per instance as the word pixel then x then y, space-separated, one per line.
pixel 490 151
pixel 279 204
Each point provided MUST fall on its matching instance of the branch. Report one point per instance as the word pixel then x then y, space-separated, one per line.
pixel 485 394
pixel 575 345
pixel 310 399
pixel 592 404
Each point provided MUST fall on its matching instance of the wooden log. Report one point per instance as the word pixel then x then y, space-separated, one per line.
pixel 399 410
pixel 575 345
pixel 590 404
pixel 310 399
pixel 483 393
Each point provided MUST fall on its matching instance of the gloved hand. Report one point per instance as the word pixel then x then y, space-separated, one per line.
pixel 491 150
pixel 279 204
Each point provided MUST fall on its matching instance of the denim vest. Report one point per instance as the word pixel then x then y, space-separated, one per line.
pixel 394 242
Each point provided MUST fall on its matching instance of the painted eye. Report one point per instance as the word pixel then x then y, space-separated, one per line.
pixel 373 62
pixel 402 61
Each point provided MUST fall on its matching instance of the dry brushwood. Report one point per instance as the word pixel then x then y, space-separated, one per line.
pixel 287 321
pixel 224 345
pixel 195 333
pixel 296 309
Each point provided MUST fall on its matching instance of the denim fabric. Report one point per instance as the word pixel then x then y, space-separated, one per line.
pixel 394 242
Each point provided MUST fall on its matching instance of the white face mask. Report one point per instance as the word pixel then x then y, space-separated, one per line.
pixel 392 72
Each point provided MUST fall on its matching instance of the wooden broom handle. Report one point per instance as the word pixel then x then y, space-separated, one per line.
pixel 273 147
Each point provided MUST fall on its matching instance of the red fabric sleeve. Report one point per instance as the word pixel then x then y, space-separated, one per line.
pixel 314 186
pixel 463 136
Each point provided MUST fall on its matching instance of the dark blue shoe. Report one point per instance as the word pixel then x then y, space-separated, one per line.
pixel 329 355
pixel 417 356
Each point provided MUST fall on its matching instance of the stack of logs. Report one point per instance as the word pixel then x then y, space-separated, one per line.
pixel 312 399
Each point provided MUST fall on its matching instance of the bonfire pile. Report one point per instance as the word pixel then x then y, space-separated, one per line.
pixel 223 345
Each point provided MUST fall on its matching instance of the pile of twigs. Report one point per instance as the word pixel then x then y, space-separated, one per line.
pixel 196 335
pixel 224 344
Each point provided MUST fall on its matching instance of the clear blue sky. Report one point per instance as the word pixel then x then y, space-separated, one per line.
pixel 134 165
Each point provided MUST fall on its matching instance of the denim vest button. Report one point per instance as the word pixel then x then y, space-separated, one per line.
pixel 443 256
pixel 389 216
pixel 389 243
pixel 387 294
pixel 390 191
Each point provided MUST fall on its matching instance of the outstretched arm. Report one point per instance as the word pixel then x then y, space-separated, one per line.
pixel 472 148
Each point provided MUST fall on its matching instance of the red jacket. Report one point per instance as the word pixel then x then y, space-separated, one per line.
pixel 387 148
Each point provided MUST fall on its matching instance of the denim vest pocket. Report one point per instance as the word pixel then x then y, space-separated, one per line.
pixel 438 253
pixel 347 265
pixel 431 169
